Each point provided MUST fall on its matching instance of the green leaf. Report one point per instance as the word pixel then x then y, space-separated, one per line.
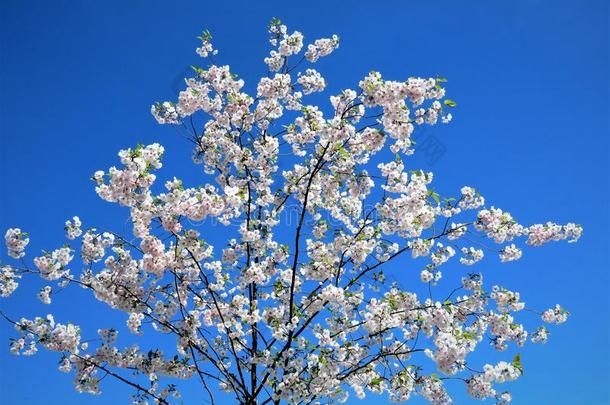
pixel 468 335
pixel 376 381
pixel 275 21
pixel 434 196
pixel 343 153
pixel 450 103
pixel 517 363
pixel 392 302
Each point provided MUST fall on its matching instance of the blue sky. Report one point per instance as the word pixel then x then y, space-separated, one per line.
pixel 530 132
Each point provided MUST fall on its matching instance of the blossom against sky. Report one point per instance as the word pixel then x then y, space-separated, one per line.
pixel 531 85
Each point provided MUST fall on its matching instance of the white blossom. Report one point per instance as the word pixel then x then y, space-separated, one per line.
pixel 325 222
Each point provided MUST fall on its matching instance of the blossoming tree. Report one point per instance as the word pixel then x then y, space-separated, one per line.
pixel 304 318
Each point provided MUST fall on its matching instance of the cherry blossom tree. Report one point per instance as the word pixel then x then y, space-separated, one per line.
pixel 304 318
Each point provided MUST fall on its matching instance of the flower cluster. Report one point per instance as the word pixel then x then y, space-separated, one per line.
pixel 7 281
pixel 480 385
pixel 206 47
pixel 321 47
pixel 44 295
pixel 44 331
pixel 540 234
pixel 471 256
pixel 94 245
pixel 16 241
pixel 510 253
pixel 555 315
pixel 130 185
pixel 72 228
pixel 311 81
pixel 52 265
pixel 541 335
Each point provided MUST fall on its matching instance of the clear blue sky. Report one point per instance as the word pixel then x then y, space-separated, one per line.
pixel 530 132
